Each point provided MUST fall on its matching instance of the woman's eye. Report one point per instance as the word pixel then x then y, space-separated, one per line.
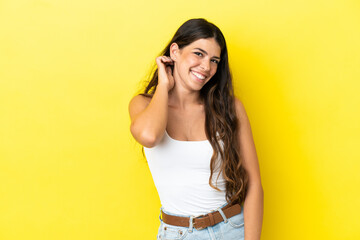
pixel 200 54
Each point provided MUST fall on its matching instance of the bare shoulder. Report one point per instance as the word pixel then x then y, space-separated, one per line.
pixel 140 99
pixel 240 110
pixel 137 104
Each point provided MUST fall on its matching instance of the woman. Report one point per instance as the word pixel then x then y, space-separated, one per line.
pixel 198 141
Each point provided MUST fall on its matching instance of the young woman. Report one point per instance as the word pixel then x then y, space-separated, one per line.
pixel 198 141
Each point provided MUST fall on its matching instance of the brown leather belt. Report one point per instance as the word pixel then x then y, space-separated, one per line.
pixel 202 221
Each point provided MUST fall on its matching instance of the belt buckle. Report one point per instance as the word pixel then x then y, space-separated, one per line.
pixel 200 228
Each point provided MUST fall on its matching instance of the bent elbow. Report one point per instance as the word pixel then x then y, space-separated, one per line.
pixel 145 138
pixel 148 141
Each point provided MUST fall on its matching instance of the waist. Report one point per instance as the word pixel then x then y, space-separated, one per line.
pixel 200 222
pixel 191 200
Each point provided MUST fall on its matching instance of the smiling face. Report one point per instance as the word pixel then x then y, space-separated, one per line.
pixel 196 63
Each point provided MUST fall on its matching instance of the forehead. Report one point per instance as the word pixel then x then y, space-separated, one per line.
pixel 208 44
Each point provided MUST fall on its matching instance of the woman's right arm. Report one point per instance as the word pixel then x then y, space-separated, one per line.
pixel 149 117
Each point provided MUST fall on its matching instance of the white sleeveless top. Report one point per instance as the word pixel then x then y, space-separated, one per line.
pixel 181 171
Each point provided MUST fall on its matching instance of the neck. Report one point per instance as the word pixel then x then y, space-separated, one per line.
pixel 184 99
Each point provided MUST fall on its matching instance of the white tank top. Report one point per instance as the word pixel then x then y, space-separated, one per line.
pixel 181 171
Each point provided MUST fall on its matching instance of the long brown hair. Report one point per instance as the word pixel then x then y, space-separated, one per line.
pixel 220 115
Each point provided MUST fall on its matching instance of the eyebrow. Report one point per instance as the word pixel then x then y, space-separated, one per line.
pixel 206 52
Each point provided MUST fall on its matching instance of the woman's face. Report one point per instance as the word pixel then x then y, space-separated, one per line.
pixel 196 63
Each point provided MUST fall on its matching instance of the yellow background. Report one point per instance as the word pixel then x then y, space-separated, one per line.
pixel 69 166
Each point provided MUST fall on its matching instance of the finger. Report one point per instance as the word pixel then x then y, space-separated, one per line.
pixel 167 60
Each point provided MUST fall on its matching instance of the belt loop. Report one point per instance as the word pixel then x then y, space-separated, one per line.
pixel 191 223
pixel 223 215
pixel 161 208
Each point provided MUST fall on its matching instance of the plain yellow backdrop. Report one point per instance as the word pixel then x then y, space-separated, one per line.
pixel 69 167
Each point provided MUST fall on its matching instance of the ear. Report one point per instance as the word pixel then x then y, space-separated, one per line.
pixel 174 51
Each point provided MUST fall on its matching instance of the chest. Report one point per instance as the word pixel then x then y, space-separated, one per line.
pixel 186 126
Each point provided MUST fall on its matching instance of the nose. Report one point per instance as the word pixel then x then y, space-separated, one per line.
pixel 205 64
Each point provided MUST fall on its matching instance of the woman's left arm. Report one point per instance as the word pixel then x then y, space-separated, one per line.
pixel 254 200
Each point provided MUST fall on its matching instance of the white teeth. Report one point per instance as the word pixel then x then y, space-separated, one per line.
pixel 198 75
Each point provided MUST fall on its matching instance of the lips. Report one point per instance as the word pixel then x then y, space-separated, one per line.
pixel 199 76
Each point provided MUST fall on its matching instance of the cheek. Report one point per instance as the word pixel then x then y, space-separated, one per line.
pixel 213 70
pixel 192 60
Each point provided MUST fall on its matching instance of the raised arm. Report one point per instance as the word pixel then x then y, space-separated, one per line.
pixel 149 116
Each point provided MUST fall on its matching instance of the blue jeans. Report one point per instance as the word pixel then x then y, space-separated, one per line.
pixel 229 229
